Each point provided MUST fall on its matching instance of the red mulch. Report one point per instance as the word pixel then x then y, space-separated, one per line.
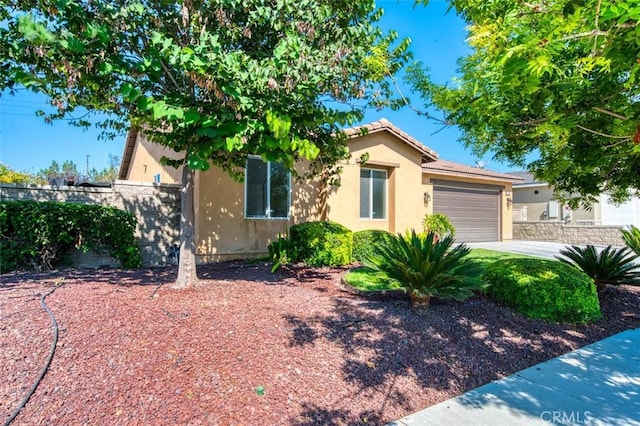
pixel 131 352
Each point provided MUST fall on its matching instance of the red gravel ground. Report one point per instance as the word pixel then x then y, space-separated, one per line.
pixel 250 348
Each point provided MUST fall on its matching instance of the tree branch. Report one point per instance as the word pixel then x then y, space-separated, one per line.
pixel 595 33
pixel 530 122
pixel 611 113
pixel 595 39
pixel 411 107
pixel 604 135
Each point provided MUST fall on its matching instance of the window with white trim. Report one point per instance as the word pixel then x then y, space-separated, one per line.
pixel 267 188
pixel 373 194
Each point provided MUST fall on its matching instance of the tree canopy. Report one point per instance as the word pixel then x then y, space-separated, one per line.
pixel 8 175
pixel 551 86
pixel 68 171
pixel 216 80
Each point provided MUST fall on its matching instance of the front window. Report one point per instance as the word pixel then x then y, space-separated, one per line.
pixel 373 194
pixel 267 188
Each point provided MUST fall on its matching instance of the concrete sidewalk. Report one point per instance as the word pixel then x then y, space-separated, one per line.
pixel 598 384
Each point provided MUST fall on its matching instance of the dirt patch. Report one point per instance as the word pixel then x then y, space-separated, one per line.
pixel 249 347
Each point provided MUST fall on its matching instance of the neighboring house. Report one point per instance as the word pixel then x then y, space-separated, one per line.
pixel 401 181
pixel 533 201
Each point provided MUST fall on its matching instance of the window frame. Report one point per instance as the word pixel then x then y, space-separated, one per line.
pixel 371 203
pixel 268 193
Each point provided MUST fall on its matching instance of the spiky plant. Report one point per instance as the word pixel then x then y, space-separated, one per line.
pixel 422 266
pixel 610 266
pixel 631 238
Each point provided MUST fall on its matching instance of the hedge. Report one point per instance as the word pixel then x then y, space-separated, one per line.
pixel 544 289
pixel 39 234
pixel 321 243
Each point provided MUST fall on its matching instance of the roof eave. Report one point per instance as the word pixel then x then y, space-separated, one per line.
pixel 496 177
pixel 127 153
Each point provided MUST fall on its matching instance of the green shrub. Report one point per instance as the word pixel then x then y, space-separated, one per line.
pixel 631 238
pixel 322 243
pixel 439 224
pixel 365 241
pixel 39 234
pixel 543 289
pixel 423 266
pixel 610 266
pixel 281 251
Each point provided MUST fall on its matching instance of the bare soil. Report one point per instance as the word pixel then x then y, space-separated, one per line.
pixel 247 347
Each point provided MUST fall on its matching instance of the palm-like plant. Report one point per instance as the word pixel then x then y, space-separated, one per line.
pixel 422 266
pixel 439 224
pixel 631 237
pixel 610 266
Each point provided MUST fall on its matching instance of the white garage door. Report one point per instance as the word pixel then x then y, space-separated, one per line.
pixel 474 210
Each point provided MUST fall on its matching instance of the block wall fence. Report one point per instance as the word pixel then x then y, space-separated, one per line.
pixel 598 235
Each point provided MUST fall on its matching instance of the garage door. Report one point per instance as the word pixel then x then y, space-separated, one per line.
pixel 473 210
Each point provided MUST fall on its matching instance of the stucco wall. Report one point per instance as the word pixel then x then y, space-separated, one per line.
pixel 156 207
pixel 223 233
pixel 537 197
pixel 405 201
pixel 568 234
pixel 145 163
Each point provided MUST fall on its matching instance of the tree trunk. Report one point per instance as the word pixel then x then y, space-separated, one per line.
pixel 419 301
pixel 187 277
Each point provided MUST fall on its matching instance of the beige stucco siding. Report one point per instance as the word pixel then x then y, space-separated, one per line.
pixel 536 199
pixel 223 232
pixel 403 164
pixel 145 163
pixel 506 222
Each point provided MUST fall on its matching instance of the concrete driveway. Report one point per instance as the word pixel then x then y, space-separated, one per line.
pixel 533 248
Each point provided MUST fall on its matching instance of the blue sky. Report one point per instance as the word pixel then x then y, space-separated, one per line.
pixel 438 39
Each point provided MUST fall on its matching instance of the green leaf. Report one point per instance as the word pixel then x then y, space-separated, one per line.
pixel 233 143
pixel 143 103
pixel 207 131
pixel 191 117
pixel 105 68
pixel 75 45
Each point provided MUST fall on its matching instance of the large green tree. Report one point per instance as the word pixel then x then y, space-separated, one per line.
pixel 215 80
pixel 553 86
pixel 67 171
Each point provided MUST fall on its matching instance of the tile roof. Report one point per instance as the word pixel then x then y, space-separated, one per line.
pixel 458 169
pixel 528 178
pixel 385 125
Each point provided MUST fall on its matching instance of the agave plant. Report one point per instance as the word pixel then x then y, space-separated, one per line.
pixel 631 237
pixel 610 266
pixel 423 266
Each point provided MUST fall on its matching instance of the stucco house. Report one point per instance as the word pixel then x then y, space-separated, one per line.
pixel 533 201
pixel 401 181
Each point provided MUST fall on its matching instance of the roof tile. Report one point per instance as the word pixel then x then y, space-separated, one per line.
pixel 465 170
